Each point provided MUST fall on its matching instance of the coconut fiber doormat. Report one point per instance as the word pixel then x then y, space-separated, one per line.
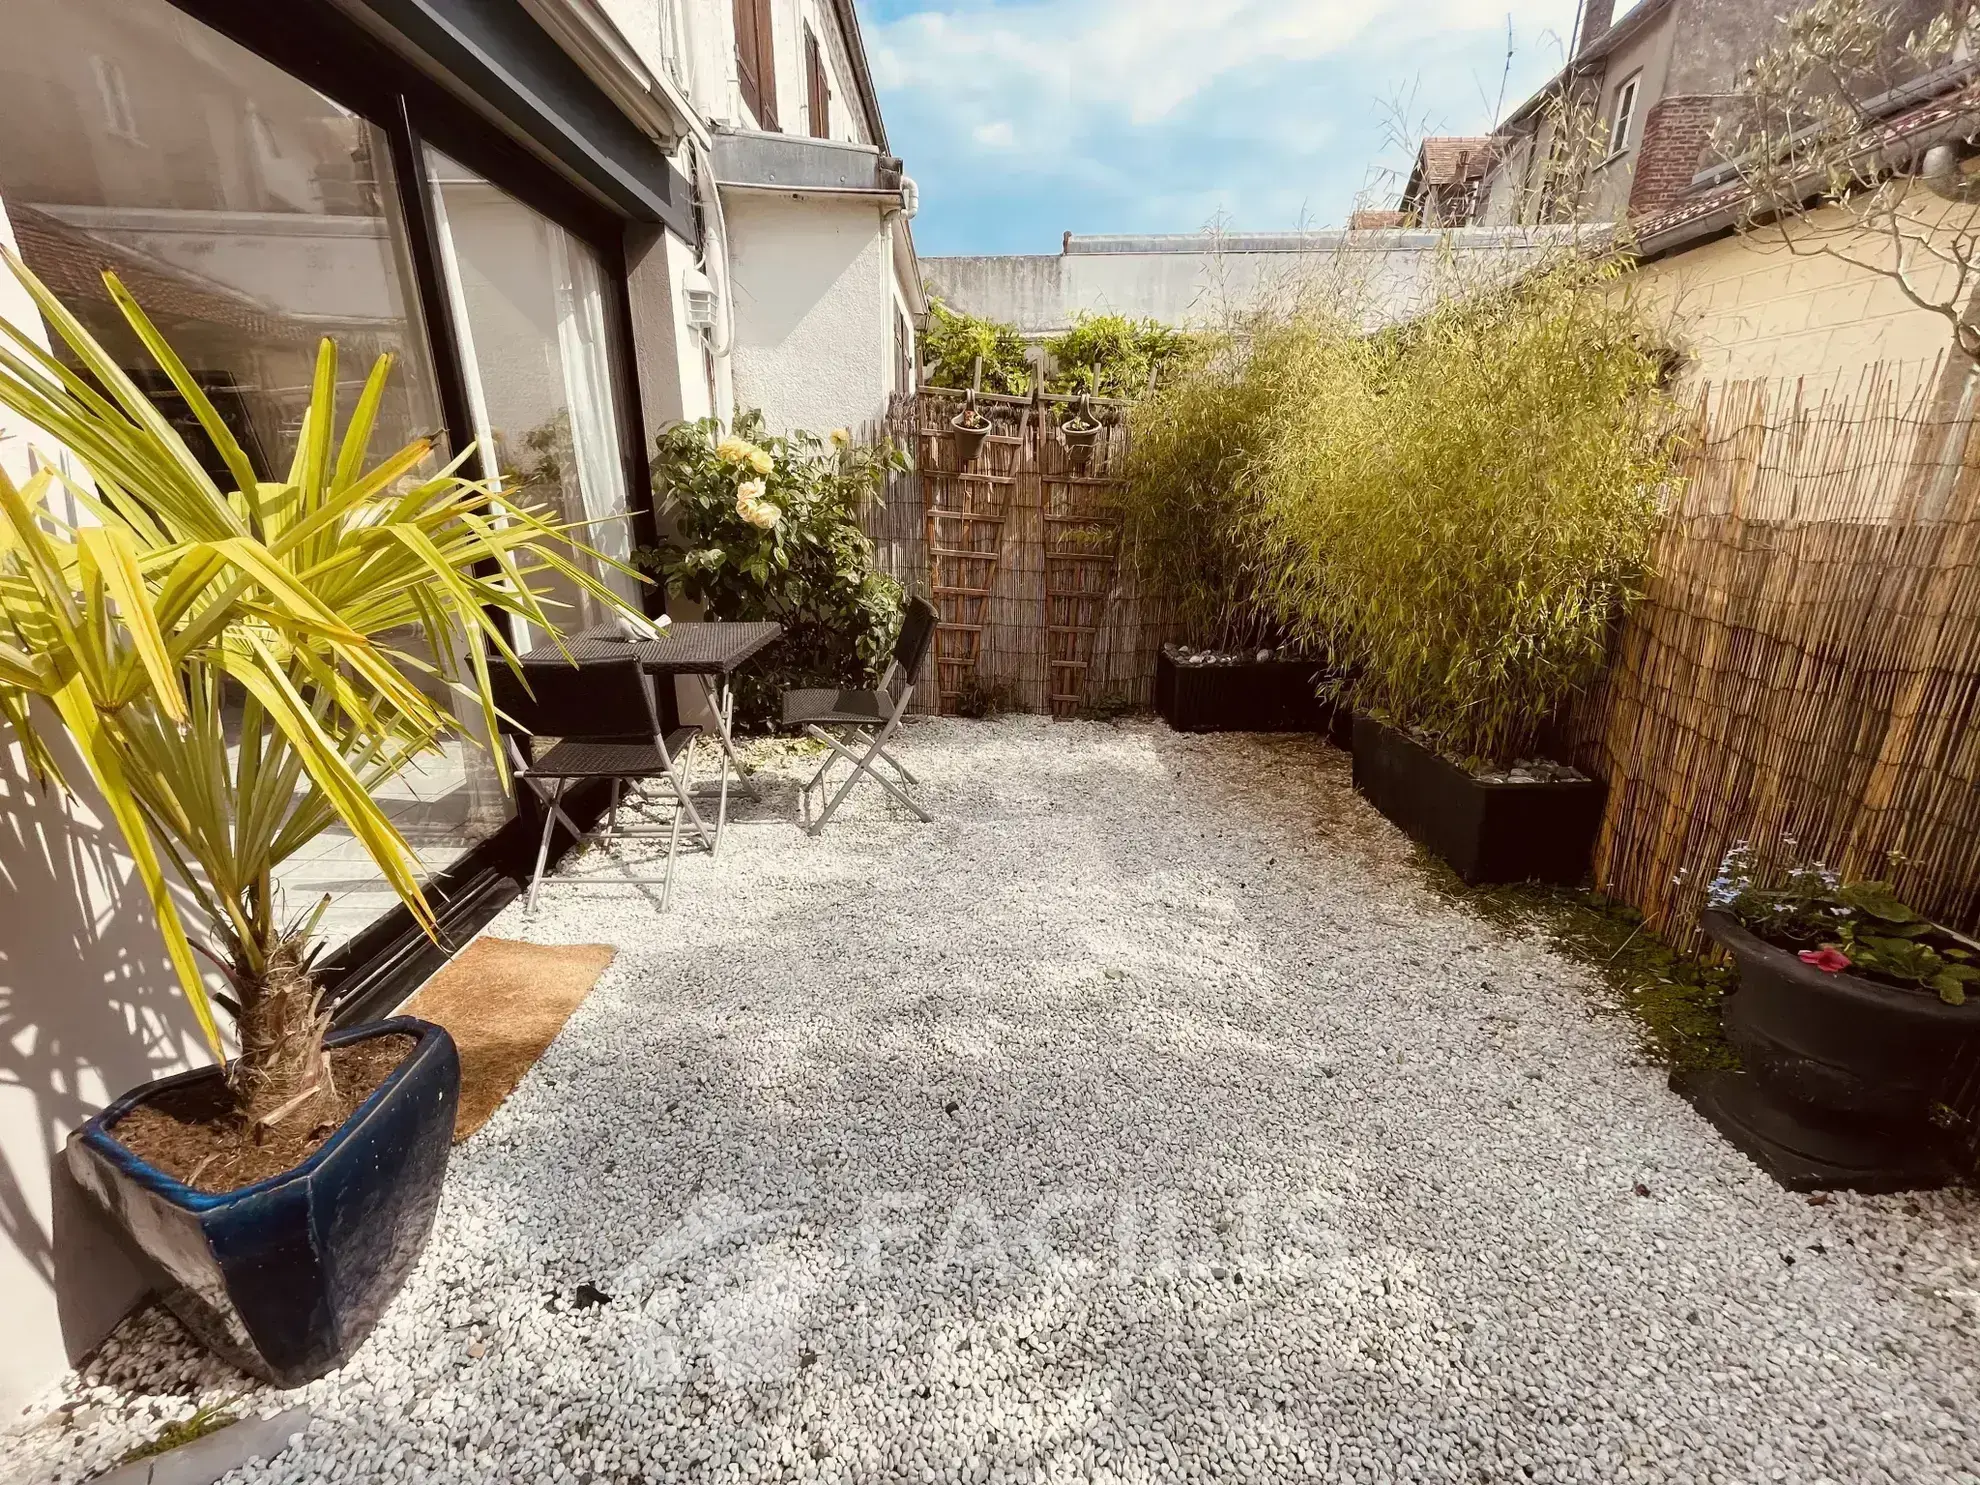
pixel 504 1003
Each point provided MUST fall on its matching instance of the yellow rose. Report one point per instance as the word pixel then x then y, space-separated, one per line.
pixel 753 508
pixel 733 450
pixel 760 461
pixel 841 438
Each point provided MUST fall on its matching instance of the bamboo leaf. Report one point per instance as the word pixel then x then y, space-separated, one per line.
pixel 188 387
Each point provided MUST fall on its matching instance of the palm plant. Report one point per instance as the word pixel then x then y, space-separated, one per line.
pixel 294 604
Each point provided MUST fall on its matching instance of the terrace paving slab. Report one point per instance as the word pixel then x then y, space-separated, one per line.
pixel 1145 1118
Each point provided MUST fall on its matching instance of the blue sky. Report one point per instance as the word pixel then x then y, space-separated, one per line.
pixel 1023 119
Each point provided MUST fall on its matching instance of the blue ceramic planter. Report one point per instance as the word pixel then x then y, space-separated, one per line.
pixel 286 1278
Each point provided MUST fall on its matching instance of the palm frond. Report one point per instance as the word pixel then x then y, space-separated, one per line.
pixel 281 604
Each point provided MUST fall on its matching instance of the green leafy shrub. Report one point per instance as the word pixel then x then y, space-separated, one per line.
pixel 954 341
pixel 1114 356
pixel 1838 925
pixel 1190 496
pixel 769 529
pixel 1459 510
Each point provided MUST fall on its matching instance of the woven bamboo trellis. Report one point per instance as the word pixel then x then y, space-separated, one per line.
pixel 1805 664
pixel 1020 553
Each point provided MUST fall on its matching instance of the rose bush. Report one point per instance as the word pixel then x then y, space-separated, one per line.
pixel 769 528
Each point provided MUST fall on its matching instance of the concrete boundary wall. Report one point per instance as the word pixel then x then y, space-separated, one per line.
pixel 1199 279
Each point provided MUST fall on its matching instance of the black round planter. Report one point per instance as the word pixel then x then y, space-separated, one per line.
pixel 1838 1042
pixel 1079 440
pixel 286 1278
pixel 1841 1072
pixel 969 441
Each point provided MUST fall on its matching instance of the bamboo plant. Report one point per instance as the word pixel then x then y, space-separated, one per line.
pixel 289 604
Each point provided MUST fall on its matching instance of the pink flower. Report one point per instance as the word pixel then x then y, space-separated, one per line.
pixel 1829 959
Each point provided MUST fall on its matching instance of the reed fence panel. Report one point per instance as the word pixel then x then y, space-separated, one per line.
pixel 1020 551
pixel 1803 671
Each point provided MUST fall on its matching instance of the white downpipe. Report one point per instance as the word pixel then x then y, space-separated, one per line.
pixel 714 264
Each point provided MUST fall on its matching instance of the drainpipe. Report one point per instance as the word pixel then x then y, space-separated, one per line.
pixel 714 263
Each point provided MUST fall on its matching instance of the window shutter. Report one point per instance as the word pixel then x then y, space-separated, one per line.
pixel 756 66
pixel 819 83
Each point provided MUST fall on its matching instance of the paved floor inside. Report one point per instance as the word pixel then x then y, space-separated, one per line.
pixel 1144 1118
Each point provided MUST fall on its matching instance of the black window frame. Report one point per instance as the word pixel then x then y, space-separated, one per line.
pixel 323 48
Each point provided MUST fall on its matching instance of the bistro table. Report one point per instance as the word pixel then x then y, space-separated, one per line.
pixel 711 653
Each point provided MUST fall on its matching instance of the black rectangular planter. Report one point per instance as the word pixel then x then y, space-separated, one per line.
pixel 1487 832
pixel 1250 696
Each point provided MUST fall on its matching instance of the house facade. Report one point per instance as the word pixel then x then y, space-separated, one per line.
pixel 1623 128
pixel 1443 185
pixel 571 222
pixel 1634 111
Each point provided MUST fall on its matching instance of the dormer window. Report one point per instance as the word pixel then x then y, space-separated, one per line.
pixel 1622 118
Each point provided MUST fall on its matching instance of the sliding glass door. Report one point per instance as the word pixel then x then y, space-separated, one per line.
pixel 252 214
pixel 530 314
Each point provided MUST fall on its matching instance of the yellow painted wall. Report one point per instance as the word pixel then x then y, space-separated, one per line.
pixel 1747 307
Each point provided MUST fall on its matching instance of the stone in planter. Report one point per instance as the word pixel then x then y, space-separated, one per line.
pixel 1841 1071
pixel 286 1277
pixel 1239 694
pixel 1488 831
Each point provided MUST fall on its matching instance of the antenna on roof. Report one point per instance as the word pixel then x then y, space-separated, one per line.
pixel 1499 109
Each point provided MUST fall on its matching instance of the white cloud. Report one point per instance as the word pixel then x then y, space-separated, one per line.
pixel 1141 60
pixel 1022 117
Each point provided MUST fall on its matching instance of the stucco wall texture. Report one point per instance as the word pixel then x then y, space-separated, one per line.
pixel 1748 307
pixel 814 305
pixel 1197 280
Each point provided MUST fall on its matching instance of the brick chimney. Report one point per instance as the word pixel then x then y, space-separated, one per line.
pixel 1675 134
pixel 1596 18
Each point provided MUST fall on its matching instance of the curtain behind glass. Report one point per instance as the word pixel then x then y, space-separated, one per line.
pixel 529 304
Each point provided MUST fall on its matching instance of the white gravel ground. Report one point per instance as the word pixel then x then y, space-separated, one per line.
pixel 1142 1119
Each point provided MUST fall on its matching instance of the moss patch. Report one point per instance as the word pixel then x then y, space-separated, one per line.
pixel 1673 997
pixel 205 1420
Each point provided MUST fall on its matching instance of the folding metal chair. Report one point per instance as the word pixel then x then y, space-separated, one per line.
pixel 606 725
pixel 867 719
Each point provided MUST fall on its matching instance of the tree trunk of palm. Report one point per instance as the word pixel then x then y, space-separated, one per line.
pixel 282 1080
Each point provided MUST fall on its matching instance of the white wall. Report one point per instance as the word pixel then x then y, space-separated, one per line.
pixel 814 299
pixel 89 1007
pixel 1196 280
